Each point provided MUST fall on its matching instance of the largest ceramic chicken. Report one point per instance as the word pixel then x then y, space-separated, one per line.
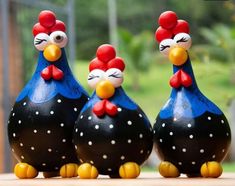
pixel 191 133
pixel 41 122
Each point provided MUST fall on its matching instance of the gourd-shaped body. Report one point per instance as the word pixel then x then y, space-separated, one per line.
pixel 191 134
pixel 112 134
pixel 42 119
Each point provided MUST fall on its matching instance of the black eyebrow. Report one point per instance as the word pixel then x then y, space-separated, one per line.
pixel 183 39
pixel 115 75
pixel 163 47
pixel 91 76
pixel 39 41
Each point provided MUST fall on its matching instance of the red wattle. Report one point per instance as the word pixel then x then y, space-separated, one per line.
pixel 46 73
pixel 175 80
pixel 99 108
pixel 186 80
pixel 57 74
pixel 110 108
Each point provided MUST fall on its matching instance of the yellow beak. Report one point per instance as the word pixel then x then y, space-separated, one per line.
pixel 105 89
pixel 178 56
pixel 52 53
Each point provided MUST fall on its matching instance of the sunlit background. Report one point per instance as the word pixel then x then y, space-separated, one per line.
pixel 130 26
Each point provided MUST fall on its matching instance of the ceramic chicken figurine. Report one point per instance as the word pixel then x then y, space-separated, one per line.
pixel 191 134
pixel 42 119
pixel 112 135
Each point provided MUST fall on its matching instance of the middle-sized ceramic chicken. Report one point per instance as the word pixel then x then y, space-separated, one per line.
pixel 191 134
pixel 112 135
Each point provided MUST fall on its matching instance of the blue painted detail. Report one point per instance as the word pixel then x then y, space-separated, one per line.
pixel 119 98
pixel 187 102
pixel 39 90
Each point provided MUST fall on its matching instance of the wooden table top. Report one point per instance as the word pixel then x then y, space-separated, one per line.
pixel 145 179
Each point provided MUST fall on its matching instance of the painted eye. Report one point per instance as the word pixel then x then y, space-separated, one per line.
pixel 41 41
pixel 115 76
pixel 59 38
pixel 165 46
pixel 94 77
pixel 183 40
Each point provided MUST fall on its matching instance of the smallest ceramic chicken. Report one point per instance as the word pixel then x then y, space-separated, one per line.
pixel 112 135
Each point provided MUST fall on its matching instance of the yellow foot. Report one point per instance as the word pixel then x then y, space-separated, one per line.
pixel 50 174
pixel 24 171
pixel 87 171
pixel 211 169
pixel 69 170
pixel 129 170
pixel 168 170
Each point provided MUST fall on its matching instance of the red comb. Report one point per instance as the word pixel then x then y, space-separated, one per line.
pixel 106 59
pixel 170 26
pixel 47 23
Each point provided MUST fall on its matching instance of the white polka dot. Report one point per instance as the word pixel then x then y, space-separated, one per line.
pixel 90 143
pixel 154 131
pixel 92 162
pixel 81 116
pixel 191 136
pixel 105 156
pixel 12 150
pixel 35 131
pixel 75 109
pixel 140 115
pixel 89 118
pixel 189 125
pixel 76 147
pixel 184 149
pixel 97 127
pixel 56 168
pixel 122 157
pixel 202 151
pixel 22 157
pixel 129 141
pixel 109 169
pixel 48 131
pixel 88 99
pixel 58 100
pixel 13 114
pixel 8 121
pixel 141 135
pixel 193 162
pixel 111 126
pixel 19 121
pixel 163 125
pixel 173 147
pixel 160 140
pixel 63 140
pixel 11 109
pixel 21 144
pixel 211 135
pixel 213 156
pixel 175 119
pixel 81 134
pixel 37 113
pixel 51 112
pixel 24 103
pixel 113 142
pixel 129 122
pixel 227 134
pixel 223 150
pixel 171 133
pixel 141 151
pixel 62 124
pixel 180 163
pixel 49 150
pixel 81 160
pixel 222 121
pixel 76 130
pixel 119 109
pixel 32 148
pixel 14 134
pixel 43 164
pixel 63 157
pixel 209 118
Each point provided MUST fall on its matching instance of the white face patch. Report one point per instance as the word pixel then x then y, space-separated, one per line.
pixel 94 77
pixel 183 40
pixel 115 76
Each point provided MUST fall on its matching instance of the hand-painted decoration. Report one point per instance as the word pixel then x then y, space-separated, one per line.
pixel 42 119
pixel 112 135
pixel 191 134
